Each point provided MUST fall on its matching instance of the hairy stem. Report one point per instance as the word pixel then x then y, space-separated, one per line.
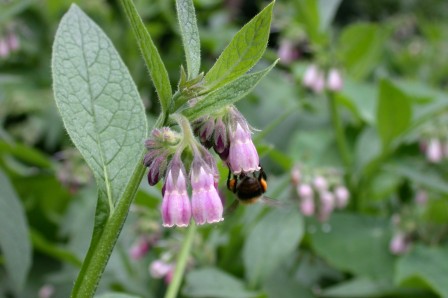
pixel 181 263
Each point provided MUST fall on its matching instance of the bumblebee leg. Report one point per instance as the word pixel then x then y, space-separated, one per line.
pixel 232 182
pixel 262 174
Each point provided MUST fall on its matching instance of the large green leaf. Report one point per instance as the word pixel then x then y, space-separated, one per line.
pixel 327 12
pixel 359 288
pixel 150 54
pixel 360 47
pixel 425 266
pixel 227 94
pixel 98 102
pixel 243 52
pixel 357 244
pixel 270 242
pixel 393 114
pixel 14 239
pixel 212 282
pixel 190 36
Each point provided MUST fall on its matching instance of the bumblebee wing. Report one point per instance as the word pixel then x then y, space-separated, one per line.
pixel 274 203
pixel 231 209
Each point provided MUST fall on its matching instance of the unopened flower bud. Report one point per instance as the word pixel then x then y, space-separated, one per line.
pixel 46 291
pixel 334 80
pixel 296 176
pixel 434 151
pixel 287 52
pixel 320 183
pixel 304 191
pixel 327 203
pixel 421 197
pixel 341 196
pixel 4 49
pixel 307 207
pixel 399 244
pixel 139 250
pixel 310 76
pixel 159 268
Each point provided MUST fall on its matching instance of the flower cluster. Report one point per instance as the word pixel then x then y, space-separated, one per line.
pixel 319 192
pixel 162 269
pixel 183 162
pixel 230 136
pixel 317 80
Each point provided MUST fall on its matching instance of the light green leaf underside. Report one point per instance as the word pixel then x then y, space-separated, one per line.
pixel 243 52
pixel 15 244
pixel 98 102
pixel 190 36
pixel 226 95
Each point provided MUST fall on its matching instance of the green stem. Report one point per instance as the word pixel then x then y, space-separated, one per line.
pixel 100 250
pixel 181 263
pixel 338 130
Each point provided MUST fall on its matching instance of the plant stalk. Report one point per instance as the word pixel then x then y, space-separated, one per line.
pixel 341 139
pixel 181 263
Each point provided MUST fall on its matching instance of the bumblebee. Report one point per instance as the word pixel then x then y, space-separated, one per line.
pixel 248 187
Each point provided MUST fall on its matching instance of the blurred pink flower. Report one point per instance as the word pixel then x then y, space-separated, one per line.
pixel 399 244
pixel 434 151
pixel 334 80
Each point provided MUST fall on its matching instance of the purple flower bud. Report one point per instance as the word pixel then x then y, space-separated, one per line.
pixel 296 175
pixel 334 80
pixel 304 191
pixel 220 137
pixel 139 250
pixel 310 76
pixel 319 83
pixel 159 268
pixel 421 197
pixel 320 183
pixel 399 244
pixel 341 196
pixel 46 291
pixel 205 201
pixel 434 152
pixel 287 52
pixel 243 156
pixel 176 208
pixel 4 49
pixel 157 169
pixel 326 205
pixel 13 41
pixel 307 206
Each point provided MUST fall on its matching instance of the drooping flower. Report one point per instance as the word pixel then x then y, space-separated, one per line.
pixel 304 191
pixel 139 250
pixel 434 150
pixel 176 207
pixel 334 80
pixel 287 52
pixel 206 203
pixel 307 206
pixel 160 268
pixel 310 76
pixel 320 183
pixel 243 156
pixel 326 207
pixel 341 195
pixel 399 243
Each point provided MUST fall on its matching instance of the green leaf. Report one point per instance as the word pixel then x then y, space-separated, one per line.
pixel 116 295
pixel 14 239
pixel 212 282
pixel 98 102
pixel 360 47
pixel 190 36
pixel 357 244
pixel 426 267
pixel 227 94
pixel 105 118
pixel 327 11
pixel 243 52
pixel 359 287
pixel 308 16
pixel 150 54
pixel 393 114
pixel 282 284
pixel 280 227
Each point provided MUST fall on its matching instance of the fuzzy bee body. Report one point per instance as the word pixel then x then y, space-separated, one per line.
pixel 248 187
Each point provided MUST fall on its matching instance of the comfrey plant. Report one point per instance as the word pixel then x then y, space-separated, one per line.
pixel 104 116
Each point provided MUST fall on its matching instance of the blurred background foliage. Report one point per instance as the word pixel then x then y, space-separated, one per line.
pixel 391 239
